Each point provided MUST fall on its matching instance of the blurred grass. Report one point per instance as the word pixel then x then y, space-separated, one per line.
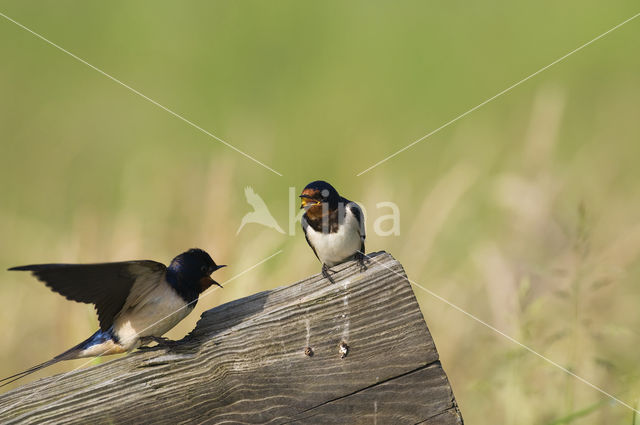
pixel 524 213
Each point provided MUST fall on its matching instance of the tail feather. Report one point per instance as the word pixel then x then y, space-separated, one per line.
pixel 29 371
pixel 72 353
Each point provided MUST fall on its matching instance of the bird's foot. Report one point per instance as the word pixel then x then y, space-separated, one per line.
pixel 362 260
pixel 325 273
pixel 161 341
pixel 144 343
pixel 145 347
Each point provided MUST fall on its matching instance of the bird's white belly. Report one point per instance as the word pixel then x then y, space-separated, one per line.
pixel 335 248
pixel 160 311
pixel 101 349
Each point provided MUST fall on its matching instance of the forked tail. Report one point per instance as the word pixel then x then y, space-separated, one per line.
pixel 72 353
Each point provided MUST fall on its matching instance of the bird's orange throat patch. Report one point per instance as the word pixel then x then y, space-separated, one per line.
pixel 315 212
pixel 323 219
pixel 205 283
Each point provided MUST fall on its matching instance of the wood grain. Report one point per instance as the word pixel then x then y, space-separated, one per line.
pixel 248 362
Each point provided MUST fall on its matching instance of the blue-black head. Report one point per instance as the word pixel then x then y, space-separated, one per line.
pixel 189 273
pixel 319 192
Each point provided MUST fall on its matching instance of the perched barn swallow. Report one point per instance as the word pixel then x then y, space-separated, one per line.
pixel 137 301
pixel 333 226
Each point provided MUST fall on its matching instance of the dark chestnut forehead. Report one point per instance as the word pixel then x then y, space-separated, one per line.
pixel 313 193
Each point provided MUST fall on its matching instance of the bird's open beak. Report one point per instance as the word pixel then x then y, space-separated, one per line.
pixel 206 282
pixel 306 200
pixel 221 266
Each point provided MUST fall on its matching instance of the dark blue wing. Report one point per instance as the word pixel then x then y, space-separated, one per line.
pixel 357 212
pixel 106 285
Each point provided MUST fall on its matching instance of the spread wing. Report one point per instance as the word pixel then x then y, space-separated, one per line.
pixel 106 285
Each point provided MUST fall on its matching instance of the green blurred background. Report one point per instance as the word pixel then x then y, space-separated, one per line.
pixel 524 213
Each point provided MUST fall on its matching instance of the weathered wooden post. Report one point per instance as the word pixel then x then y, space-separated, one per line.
pixel 356 351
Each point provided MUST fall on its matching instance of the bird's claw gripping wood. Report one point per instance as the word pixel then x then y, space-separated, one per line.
pixel 161 341
pixel 362 260
pixel 326 273
pixel 165 342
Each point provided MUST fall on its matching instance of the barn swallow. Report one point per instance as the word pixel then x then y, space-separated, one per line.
pixel 137 301
pixel 333 226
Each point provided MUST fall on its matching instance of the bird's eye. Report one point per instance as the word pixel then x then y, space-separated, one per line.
pixel 204 269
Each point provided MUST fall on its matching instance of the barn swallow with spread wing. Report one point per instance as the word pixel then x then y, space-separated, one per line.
pixel 333 226
pixel 137 301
